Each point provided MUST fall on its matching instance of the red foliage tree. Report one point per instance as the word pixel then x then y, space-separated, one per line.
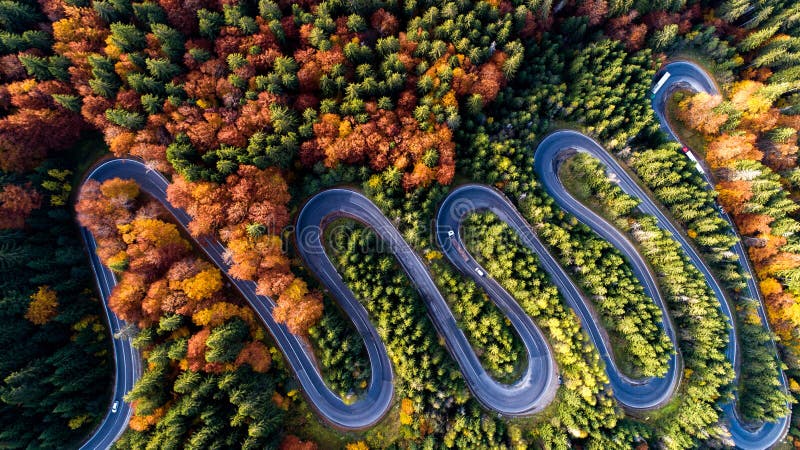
pixel 16 203
pixel 490 78
pixel 37 126
pixel 292 442
pixel 596 10
pixel 384 22
pixel 624 28
pixel 126 298
pixel 257 355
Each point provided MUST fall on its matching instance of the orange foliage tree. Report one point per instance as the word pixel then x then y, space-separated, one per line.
pixel 388 138
pixel 152 245
pixel 728 148
pixel 699 113
pixel 252 197
pixel 752 128
pixel 257 355
pixel 298 308
pixel 733 195
pixel 753 223
pixel 196 350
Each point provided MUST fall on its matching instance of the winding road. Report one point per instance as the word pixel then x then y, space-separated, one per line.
pixel 539 381
pixel 690 76
pixel 365 412
pixel 536 387
pixel 633 394
pixel 128 363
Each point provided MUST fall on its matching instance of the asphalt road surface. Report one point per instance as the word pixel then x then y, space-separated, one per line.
pixel 531 393
pixel 363 413
pixel 689 76
pixel 634 394
pixel 537 385
pixel 128 362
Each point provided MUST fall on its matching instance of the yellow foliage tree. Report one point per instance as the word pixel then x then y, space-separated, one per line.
pixel 117 188
pixel 203 285
pixel 770 286
pixel 78 421
pixel 43 306
pixel 118 262
pixel 406 410
pixel 757 111
pixel 432 255
pixel 220 312
pixel 154 231
pixel 142 423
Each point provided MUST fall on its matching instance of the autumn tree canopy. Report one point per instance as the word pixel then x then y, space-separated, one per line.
pixel 16 202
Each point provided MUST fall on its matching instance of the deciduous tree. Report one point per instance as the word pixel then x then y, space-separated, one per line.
pixel 43 306
pixel 16 203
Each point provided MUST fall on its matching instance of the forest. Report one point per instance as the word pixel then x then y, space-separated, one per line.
pixel 58 358
pixel 249 107
pixel 760 398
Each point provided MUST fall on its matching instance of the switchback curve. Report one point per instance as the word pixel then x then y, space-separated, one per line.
pixel 363 413
pixel 634 394
pixel 530 394
pixel 637 394
pixel 690 76
pixel 537 385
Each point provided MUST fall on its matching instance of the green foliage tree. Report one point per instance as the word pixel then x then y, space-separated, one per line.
pixel 226 341
pixel 54 377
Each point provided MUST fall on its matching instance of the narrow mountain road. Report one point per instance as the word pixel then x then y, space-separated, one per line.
pixel 128 363
pixel 365 412
pixel 531 393
pixel 689 76
pixel 634 394
pixel 537 385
